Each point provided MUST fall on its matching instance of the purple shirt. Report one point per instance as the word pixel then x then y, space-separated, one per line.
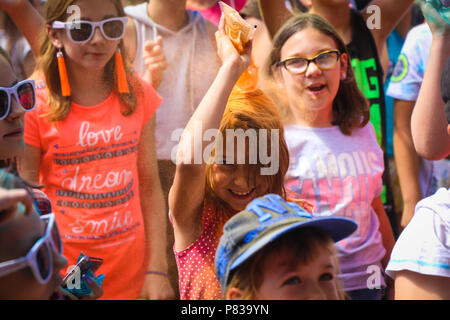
pixel 341 176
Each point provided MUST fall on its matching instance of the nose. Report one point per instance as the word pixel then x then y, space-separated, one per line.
pixel 98 35
pixel 16 111
pixel 312 69
pixel 241 177
pixel 313 291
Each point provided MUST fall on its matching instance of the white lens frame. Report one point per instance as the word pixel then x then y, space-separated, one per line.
pixel 99 24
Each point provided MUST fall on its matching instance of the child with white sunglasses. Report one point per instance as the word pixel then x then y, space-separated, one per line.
pixel 16 98
pixel 90 141
pixel 29 269
pixel 19 221
pixel 31 255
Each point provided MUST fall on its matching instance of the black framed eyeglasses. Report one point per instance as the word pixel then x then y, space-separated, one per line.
pixel 324 61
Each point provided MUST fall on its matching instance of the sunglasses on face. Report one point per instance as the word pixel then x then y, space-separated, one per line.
pixel 324 61
pixel 40 256
pixel 82 31
pixel 24 93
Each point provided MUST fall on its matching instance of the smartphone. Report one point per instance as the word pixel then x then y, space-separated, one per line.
pixel 84 264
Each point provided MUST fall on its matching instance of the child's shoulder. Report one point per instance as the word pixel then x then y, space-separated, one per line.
pixel 145 90
pixel 422 30
pixel 366 131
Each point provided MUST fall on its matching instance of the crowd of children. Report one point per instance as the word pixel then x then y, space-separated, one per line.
pixel 201 159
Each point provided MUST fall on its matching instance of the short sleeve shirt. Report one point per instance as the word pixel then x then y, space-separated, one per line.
pixel 410 68
pixel 89 170
pixel 405 85
pixel 341 175
pixel 424 245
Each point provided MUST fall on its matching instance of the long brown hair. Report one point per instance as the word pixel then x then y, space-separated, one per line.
pixel 59 106
pixel 350 107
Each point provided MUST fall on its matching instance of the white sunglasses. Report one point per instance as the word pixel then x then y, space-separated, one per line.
pixel 40 256
pixel 23 91
pixel 82 31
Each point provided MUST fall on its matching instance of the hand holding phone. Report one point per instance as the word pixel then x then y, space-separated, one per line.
pixel 74 283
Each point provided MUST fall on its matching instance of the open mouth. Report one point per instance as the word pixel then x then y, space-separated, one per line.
pixel 242 195
pixel 316 88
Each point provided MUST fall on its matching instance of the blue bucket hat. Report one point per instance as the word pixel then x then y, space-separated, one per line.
pixel 264 220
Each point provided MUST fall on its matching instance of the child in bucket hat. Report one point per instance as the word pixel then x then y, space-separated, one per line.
pixel 276 250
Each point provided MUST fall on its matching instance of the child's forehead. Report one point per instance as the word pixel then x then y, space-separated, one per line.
pixel 307 42
pixel 285 255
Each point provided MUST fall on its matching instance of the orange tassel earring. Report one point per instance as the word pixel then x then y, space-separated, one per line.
pixel 122 82
pixel 63 78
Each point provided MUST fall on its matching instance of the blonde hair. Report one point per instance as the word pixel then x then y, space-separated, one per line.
pixel 250 110
pixel 302 243
pixel 59 106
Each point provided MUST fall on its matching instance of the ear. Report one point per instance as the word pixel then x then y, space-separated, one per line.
pixel 233 294
pixel 343 60
pixel 54 36
pixel 277 76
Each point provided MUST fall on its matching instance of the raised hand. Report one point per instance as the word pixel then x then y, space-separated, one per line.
pixel 12 5
pixel 10 201
pixel 155 61
pixel 436 15
pixel 228 53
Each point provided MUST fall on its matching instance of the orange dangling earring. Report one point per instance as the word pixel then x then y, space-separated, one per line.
pixel 121 75
pixel 63 78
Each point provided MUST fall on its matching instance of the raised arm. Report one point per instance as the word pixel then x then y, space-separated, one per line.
pixel 391 12
pixel 27 19
pixel 9 201
pixel 428 122
pixel 274 14
pixel 188 190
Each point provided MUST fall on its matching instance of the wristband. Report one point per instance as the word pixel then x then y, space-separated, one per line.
pixel 159 273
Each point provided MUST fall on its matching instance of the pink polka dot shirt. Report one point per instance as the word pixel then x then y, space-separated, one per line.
pixel 197 279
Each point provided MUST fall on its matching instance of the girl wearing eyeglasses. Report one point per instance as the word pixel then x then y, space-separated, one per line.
pixel 90 141
pixel 336 163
